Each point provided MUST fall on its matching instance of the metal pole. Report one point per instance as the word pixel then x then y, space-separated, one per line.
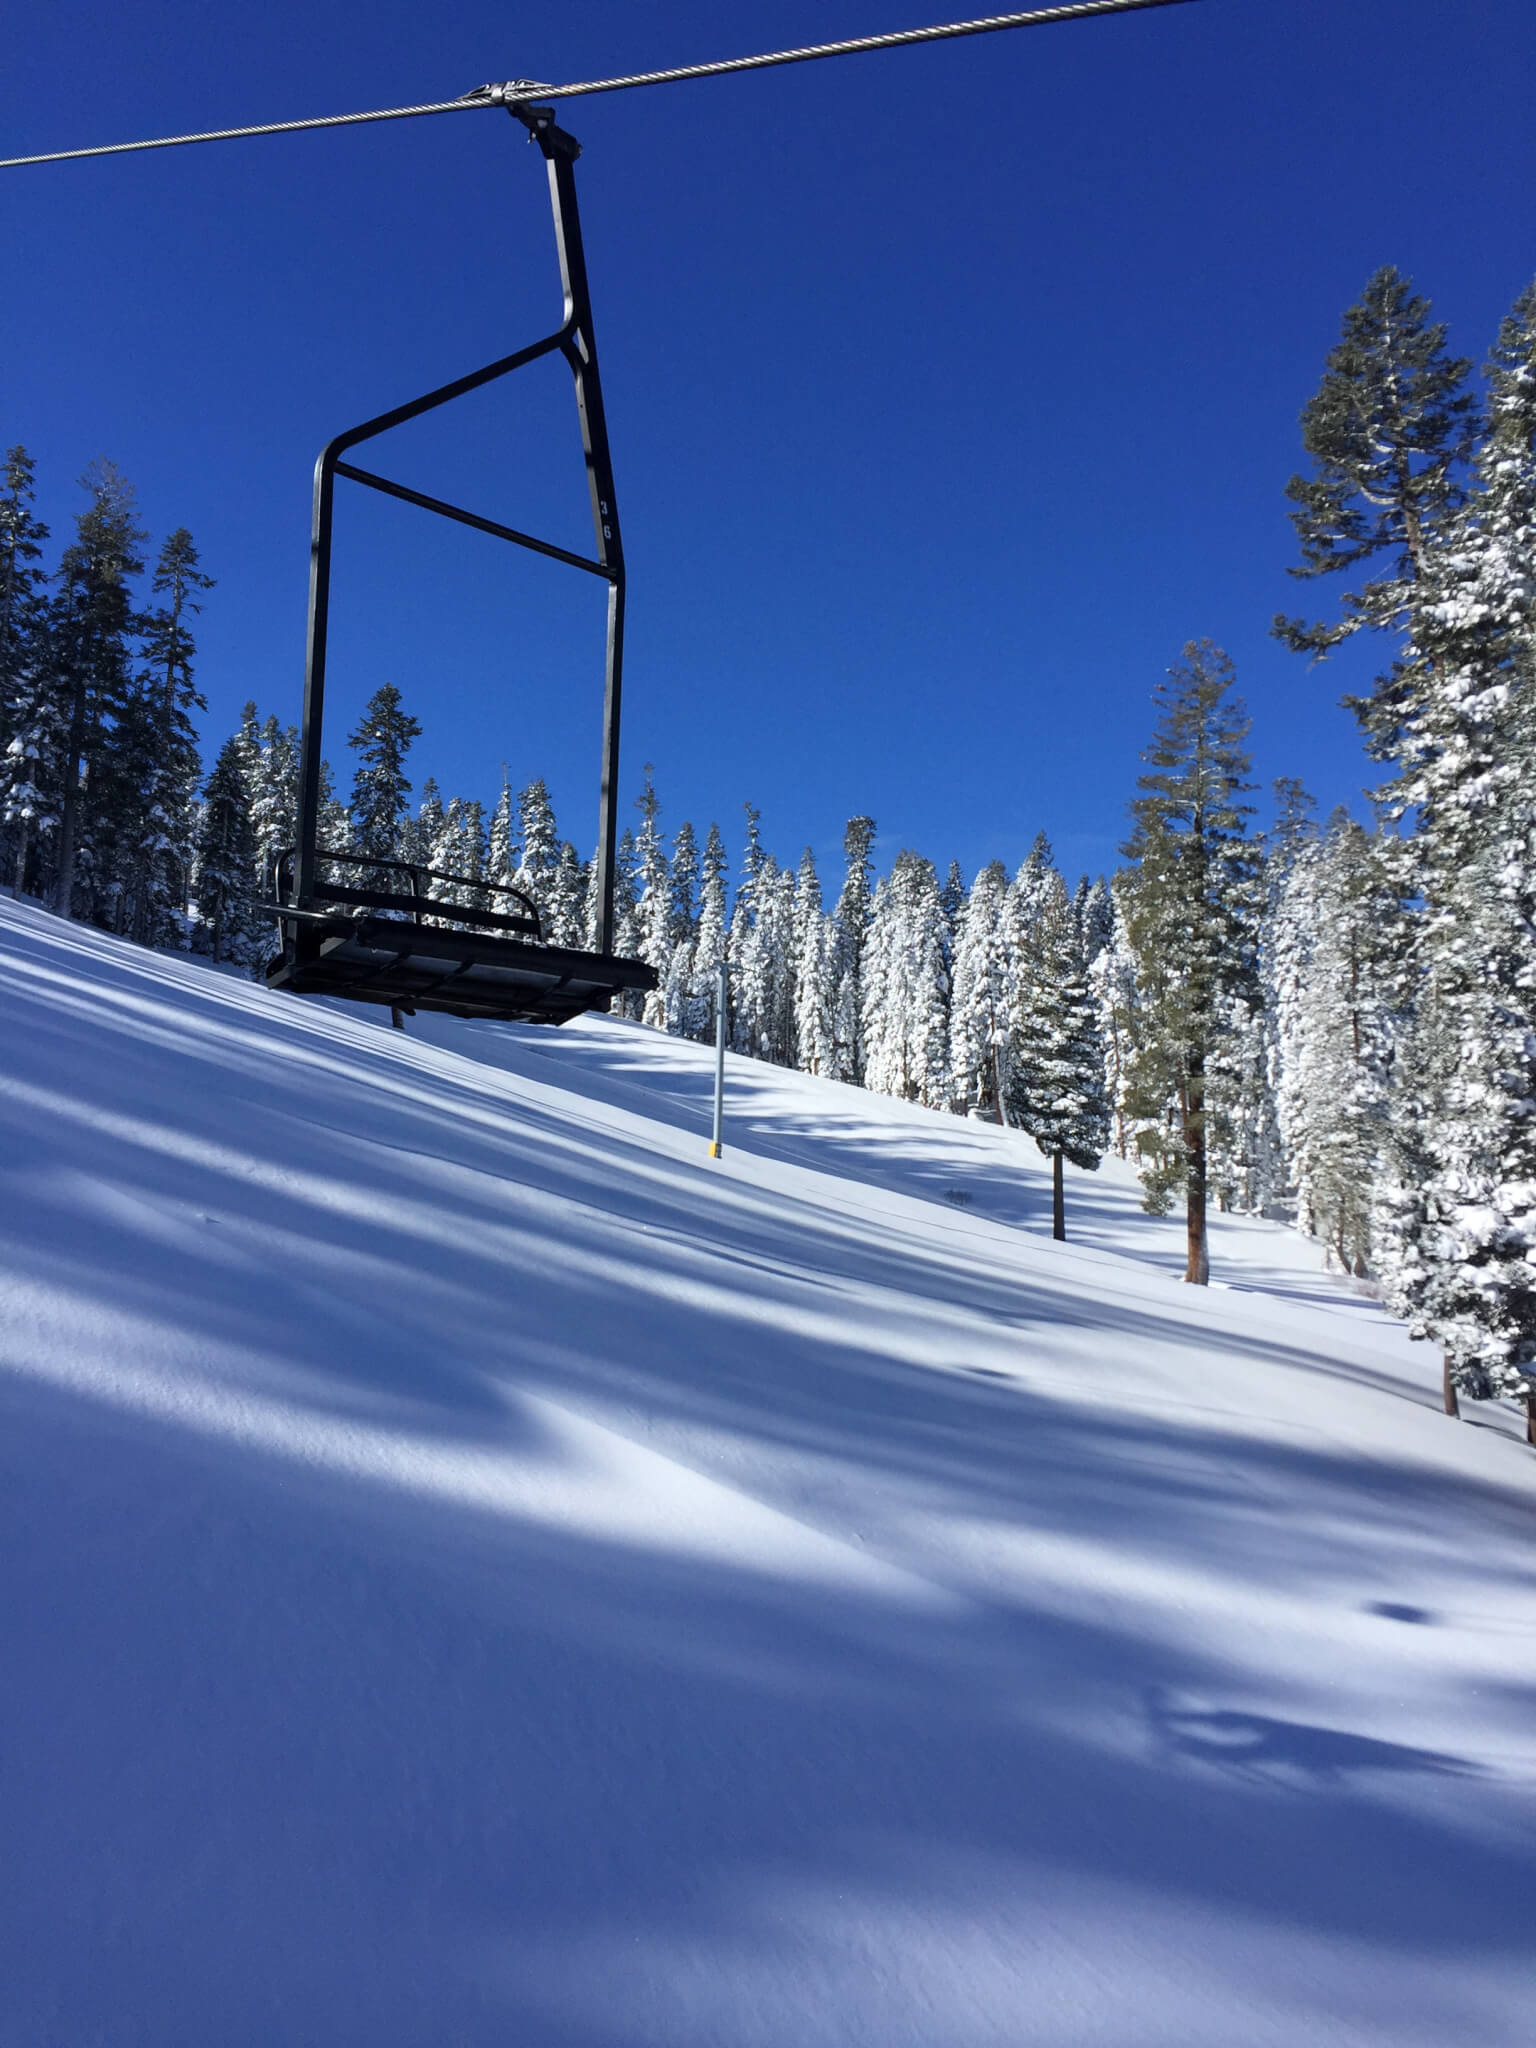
pixel 580 351
pixel 717 1143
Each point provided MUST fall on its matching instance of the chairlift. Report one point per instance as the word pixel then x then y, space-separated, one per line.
pixel 408 946
pixel 412 945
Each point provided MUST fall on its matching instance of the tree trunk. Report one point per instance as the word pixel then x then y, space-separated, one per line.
pixel 23 836
pixel 1058 1201
pixel 1197 1270
pixel 64 884
pixel 1530 1419
pixel 1452 1405
pixel 997 1083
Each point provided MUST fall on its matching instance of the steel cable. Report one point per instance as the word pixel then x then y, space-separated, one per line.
pixel 519 89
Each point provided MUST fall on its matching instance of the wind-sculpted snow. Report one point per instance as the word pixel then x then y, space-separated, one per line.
pixel 480 1572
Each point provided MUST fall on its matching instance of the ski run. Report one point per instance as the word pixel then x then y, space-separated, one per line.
pixel 479 1571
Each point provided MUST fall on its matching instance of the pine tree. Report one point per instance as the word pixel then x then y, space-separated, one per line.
pixel 1056 1055
pixel 1456 1222
pixel 815 1021
pixel 380 790
pixel 626 898
pixel 656 932
pixel 563 911
pixel 952 896
pixel 850 932
pixel 92 628
pixel 982 997
pixel 1117 1001
pixel 539 852
pixel 224 924
pixel 459 850
pixel 683 891
pixel 23 581
pixel 32 724
pixel 423 831
pixel 164 703
pixel 272 790
pixel 1191 914
pixel 904 1022
pixel 1389 432
pixel 761 955
pixel 709 944
pixel 502 851
pixel 1330 965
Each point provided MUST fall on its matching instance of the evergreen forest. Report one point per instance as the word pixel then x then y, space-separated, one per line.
pixel 1326 1020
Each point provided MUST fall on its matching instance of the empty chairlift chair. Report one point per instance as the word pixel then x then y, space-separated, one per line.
pixel 389 931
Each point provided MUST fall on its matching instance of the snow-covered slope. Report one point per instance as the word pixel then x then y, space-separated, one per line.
pixel 480 1572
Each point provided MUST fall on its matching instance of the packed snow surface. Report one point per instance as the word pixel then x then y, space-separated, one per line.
pixel 479 1571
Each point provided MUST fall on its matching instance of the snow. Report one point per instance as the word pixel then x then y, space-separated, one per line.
pixel 480 1571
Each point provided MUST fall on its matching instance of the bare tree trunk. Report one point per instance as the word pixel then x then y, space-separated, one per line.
pixel 1452 1405
pixel 1197 1270
pixel 997 1083
pixel 64 883
pixel 1530 1419
pixel 23 836
pixel 1058 1201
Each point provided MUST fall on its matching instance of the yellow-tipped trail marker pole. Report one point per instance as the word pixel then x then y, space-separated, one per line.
pixel 717 1142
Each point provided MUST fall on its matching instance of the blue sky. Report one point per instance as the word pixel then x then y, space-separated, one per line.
pixel 951 390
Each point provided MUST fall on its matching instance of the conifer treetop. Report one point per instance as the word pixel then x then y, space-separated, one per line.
pixel 1389 430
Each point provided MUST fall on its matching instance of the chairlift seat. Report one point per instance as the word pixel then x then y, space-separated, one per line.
pixel 376 946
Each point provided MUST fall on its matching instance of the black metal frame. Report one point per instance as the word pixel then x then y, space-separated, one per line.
pixel 573 339
pixel 419 905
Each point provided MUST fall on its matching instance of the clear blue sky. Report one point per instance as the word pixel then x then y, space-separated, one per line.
pixel 951 390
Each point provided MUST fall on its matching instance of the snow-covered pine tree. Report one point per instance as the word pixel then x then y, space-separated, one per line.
pixel 761 954
pixel 1027 896
pixel 501 840
pixel 1389 433
pixel 904 1022
pixel 1273 1189
pixel 23 579
pixel 1332 977
pixel 1112 980
pixel 850 922
pixel 1055 1085
pixel 815 1021
pixel 93 623
pixel 165 700
pixel 1458 1216
pixel 459 850
pixel 1191 917
pixel 709 944
pixel 655 932
pixel 32 724
pixel 626 899
pixel 420 834
pixel 563 912
pixel 539 849
pixel 981 1001
pixel 273 793
pixel 1240 1143
pixel 380 788
pixel 223 923
pixel 952 896
pixel 333 826
pixel 683 887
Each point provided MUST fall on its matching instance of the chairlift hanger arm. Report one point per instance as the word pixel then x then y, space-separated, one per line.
pixel 517 91
pixel 573 340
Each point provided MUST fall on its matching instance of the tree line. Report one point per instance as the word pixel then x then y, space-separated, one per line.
pixel 1334 1022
